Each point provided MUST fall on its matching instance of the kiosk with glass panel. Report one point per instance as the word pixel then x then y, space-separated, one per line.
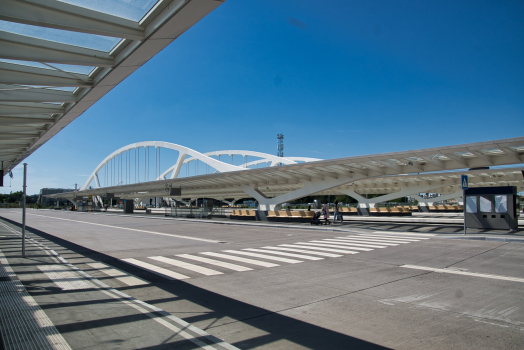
pixel 492 207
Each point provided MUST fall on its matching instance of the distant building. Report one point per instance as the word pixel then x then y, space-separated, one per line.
pixel 50 201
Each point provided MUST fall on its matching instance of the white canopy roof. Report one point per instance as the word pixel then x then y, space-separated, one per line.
pixel 434 168
pixel 57 58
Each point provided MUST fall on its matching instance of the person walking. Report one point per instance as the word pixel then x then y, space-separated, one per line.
pixel 325 209
pixel 337 213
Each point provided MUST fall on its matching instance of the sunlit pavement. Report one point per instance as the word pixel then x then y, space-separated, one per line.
pixel 362 285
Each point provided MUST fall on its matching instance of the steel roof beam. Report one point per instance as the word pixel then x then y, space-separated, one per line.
pixel 12 136
pixel 44 77
pixel 22 121
pixel 20 94
pixel 60 15
pixel 25 48
pixel 21 110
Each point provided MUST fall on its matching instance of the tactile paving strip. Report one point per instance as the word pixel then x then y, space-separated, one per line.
pixel 24 325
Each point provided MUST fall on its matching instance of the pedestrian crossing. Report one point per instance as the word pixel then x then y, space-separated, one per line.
pixel 207 263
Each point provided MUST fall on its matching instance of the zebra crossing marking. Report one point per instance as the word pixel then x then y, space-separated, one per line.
pixel 350 244
pixel 328 255
pixel 396 236
pixel 187 266
pixel 363 240
pixel 238 258
pixel 285 253
pixel 122 276
pixel 335 246
pixel 318 248
pixel 300 256
pixel 264 256
pixel 406 233
pixel 393 239
pixel 226 265
pixel 171 275
pixel 357 243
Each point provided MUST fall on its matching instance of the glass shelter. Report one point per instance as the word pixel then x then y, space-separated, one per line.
pixel 492 207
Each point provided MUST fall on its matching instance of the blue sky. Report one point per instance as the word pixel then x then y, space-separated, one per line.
pixel 337 78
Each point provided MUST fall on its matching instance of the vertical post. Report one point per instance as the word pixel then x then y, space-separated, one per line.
pixel 23 213
pixel 464 208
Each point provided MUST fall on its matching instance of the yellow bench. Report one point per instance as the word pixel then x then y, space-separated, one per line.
pixel 243 213
pixel 290 214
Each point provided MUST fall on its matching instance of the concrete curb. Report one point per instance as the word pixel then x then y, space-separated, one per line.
pixel 484 238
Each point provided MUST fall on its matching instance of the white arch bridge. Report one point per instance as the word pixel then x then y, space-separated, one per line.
pixel 132 172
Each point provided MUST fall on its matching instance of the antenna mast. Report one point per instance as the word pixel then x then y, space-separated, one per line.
pixel 280 145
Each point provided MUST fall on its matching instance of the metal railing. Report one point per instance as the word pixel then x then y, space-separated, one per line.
pixel 185 212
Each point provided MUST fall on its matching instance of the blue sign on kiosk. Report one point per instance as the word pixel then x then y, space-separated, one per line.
pixel 464 182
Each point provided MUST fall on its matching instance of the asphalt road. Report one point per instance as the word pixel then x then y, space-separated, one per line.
pixel 417 292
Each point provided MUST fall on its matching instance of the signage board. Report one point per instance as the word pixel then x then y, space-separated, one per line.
pixel 464 183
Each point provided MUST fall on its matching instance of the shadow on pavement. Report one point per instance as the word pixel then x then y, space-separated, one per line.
pixel 278 327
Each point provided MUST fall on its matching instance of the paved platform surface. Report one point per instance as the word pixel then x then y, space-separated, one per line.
pixel 362 286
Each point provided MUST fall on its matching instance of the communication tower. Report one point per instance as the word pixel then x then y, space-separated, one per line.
pixel 280 147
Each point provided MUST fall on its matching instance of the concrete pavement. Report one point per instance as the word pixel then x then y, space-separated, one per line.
pixel 364 299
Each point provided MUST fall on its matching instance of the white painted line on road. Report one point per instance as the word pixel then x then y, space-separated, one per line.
pixel 379 239
pixel 237 258
pixel 363 240
pixel 404 239
pixel 171 275
pixel 328 255
pixel 264 256
pixel 187 266
pixel 64 278
pixel 122 276
pixel 465 273
pixel 318 248
pixel 406 233
pixel 226 265
pixel 356 244
pixel 130 229
pixel 300 256
pixel 325 244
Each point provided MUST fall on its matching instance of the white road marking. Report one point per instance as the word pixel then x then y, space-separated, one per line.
pixel 406 233
pixel 393 238
pixel 226 265
pixel 264 256
pixel 356 244
pixel 122 276
pixel 465 273
pixel 325 244
pixel 64 278
pixel 329 255
pixel 131 229
pixel 300 256
pixel 157 270
pixel 317 248
pixel 363 240
pixel 379 239
pixel 237 258
pixel 187 266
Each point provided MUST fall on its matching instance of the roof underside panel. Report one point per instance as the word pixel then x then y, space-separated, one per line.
pixel 58 58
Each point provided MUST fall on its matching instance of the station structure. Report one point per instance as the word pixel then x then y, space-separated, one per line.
pixel 392 175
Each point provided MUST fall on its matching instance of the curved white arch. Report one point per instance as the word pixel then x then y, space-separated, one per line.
pixel 183 152
pixel 266 158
